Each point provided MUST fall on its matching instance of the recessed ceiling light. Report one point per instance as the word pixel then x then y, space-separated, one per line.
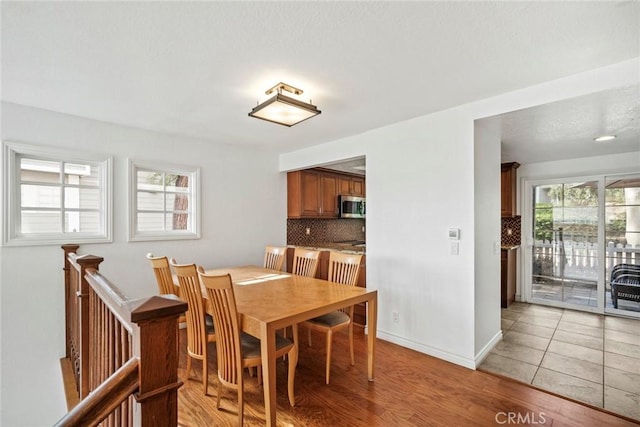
pixel 604 138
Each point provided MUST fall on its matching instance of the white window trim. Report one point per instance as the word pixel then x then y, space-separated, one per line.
pixel 11 211
pixel 193 172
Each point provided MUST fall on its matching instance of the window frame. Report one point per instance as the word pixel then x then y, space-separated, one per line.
pixel 193 228
pixel 12 153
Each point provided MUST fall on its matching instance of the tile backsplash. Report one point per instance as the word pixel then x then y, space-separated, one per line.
pixel 324 230
pixel 511 224
pixel 333 230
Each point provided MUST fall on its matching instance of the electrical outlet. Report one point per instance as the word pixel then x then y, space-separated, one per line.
pixel 307 231
pixel 396 317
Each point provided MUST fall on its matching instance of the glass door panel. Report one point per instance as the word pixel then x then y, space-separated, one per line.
pixel 622 237
pixel 564 269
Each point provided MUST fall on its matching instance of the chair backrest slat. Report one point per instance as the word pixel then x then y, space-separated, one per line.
pixel 344 268
pixel 274 257
pixel 225 317
pixel 162 271
pixel 191 292
pixel 305 262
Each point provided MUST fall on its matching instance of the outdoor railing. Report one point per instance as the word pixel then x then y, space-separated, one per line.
pixel 578 260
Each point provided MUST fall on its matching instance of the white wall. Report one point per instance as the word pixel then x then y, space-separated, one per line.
pixel 487 237
pixel 419 184
pixel 243 209
pixel 423 177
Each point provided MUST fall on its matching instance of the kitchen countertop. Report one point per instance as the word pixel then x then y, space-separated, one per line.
pixel 509 247
pixel 346 248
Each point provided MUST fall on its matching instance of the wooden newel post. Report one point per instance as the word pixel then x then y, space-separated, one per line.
pixel 156 346
pixel 76 311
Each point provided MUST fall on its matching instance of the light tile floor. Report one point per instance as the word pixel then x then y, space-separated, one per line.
pixel 585 356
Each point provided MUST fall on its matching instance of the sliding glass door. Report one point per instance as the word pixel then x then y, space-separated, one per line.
pixel 564 263
pixel 581 231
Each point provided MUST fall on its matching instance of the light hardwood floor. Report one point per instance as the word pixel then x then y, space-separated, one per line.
pixel 410 389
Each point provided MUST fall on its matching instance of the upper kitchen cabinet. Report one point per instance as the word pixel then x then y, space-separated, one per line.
pixel 329 196
pixel 508 184
pixel 303 194
pixel 313 193
pixel 351 186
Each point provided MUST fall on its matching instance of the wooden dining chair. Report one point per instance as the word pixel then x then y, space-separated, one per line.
pixel 274 257
pixel 164 278
pixel 343 269
pixel 237 350
pixel 200 326
pixel 305 262
pixel 162 271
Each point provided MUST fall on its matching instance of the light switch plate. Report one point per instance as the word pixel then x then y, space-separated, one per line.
pixel 455 248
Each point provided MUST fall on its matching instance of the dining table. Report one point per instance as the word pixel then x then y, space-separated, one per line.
pixel 269 300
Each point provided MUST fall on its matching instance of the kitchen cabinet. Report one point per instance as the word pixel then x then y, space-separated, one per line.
pixel 303 194
pixel 351 186
pixel 329 193
pixel 508 188
pixel 507 277
pixel 313 193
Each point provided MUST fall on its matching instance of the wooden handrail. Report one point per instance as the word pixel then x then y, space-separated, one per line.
pixel 108 336
pixel 106 398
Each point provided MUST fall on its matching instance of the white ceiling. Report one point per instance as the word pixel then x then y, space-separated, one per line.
pixel 197 68
pixel 566 129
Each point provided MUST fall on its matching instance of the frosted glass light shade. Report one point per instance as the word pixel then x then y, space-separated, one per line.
pixel 284 111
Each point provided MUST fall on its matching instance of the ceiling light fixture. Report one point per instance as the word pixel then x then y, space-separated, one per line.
pixel 605 138
pixel 282 109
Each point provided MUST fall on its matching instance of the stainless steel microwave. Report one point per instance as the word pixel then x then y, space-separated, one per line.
pixel 351 206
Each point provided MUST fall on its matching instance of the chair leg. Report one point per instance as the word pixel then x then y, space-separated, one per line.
pixel 309 333
pixel 284 334
pixel 293 361
pixel 240 403
pixel 186 377
pixel 291 379
pixel 353 359
pixel 329 339
pixel 219 393
pixel 205 374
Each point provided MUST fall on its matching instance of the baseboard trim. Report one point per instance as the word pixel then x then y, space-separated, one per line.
pixel 487 348
pixel 431 351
